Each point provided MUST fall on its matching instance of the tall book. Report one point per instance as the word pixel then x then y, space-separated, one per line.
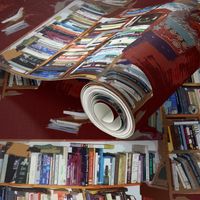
pixel 143 149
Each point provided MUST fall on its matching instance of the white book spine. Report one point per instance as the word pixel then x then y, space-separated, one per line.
pixel 139 171
pixel 63 167
pixel 180 177
pixel 147 166
pixel 4 167
pixel 56 171
pixel 135 162
pixel 175 176
pixel 112 171
pixel 60 166
pixel 38 168
pixel 184 177
pixel 11 80
pixel 96 168
pixel 33 168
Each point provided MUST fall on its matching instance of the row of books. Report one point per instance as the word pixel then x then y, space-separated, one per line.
pixel 183 101
pixel 130 81
pixel 184 135
pixel 77 32
pixel 185 171
pixel 10 193
pixel 16 80
pixel 122 31
pixel 53 36
pixel 79 164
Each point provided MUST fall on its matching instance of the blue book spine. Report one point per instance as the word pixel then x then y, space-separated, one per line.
pixel 181 128
pixel 101 167
pixel 45 169
pixel 174 106
pixel 180 136
pixel 178 103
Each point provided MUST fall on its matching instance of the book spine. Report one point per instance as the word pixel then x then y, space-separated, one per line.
pixel 32 169
pixel 182 173
pixel 129 171
pixel 101 169
pixel 175 176
pixel 45 169
pixel 177 128
pixel 135 163
pixel 91 166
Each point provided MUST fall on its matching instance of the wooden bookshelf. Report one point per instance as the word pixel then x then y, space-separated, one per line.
pixel 108 148
pixel 168 120
pixel 6 88
pixel 68 186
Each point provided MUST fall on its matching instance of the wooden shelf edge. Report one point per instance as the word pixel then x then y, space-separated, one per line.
pixel 154 186
pixel 67 186
pixel 175 116
pixel 22 88
pixel 187 192
pixel 185 151
pixel 191 85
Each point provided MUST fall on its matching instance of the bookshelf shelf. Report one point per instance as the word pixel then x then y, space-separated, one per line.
pixel 17 83
pixel 22 88
pixel 68 186
pixel 187 192
pixel 184 116
pixel 191 85
pixel 185 151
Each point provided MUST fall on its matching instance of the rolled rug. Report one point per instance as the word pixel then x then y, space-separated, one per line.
pixel 134 59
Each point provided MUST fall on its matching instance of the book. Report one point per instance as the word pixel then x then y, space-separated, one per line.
pixel 22 171
pixel 4 168
pixel 176 184
pixel 33 168
pixel 170 141
pixel 11 169
pixel 91 164
pixel 135 167
pixel 143 149
pixel 108 168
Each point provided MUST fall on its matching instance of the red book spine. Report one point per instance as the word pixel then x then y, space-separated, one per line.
pixel 91 166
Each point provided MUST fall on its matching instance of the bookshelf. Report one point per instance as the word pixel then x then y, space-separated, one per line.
pixel 179 128
pixel 76 43
pixel 111 148
pixel 12 84
pixel 181 141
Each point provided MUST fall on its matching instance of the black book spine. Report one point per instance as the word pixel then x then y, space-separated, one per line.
pixel 193 166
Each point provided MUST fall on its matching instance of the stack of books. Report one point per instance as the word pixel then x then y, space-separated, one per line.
pixel 185 171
